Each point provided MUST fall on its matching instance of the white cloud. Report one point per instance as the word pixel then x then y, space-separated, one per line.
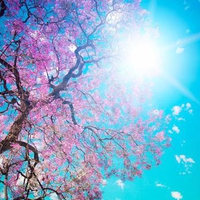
pixel 176 110
pixel 190 111
pixel 188 105
pixel 182 173
pixel 177 159
pixel 176 195
pixel 120 183
pixel 182 144
pixel 176 129
pixel 190 160
pixel 159 184
pixel 186 162
pixel 181 119
pixel 179 50
pixel 184 159
pixel 170 132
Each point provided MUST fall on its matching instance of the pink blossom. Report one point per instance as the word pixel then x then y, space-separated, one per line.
pixel 160 136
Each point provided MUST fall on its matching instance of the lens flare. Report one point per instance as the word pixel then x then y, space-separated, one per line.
pixel 142 57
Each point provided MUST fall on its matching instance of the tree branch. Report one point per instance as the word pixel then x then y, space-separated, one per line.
pixel 2 8
pixel 72 111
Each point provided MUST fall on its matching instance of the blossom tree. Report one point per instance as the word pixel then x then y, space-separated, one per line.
pixel 69 115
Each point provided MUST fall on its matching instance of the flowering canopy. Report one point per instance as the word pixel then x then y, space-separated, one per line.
pixel 69 117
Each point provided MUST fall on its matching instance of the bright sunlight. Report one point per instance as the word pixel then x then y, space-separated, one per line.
pixel 142 57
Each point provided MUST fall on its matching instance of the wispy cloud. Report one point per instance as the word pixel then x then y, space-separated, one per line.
pixel 181 119
pixel 184 159
pixel 186 162
pixel 160 185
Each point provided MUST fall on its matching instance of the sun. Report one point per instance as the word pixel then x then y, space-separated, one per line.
pixel 142 56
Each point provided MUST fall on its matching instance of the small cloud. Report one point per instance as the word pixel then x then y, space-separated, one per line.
pixel 170 132
pixel 176 110
pixel 186 162
pixel 190 111
pixel 190 160
pixel 182 173
pixel 179 50
pixel 176 195
pixel 181 119
pixel 160 185
pixel 177 159
pixel 184 159
pixel 120 183
pixel 188 106
pixel 183 142
pixel 175 129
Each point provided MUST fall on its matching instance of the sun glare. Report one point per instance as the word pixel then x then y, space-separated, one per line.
pixel 142 57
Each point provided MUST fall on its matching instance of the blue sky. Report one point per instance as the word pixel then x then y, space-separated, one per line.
pixel 178 175
pixel 178 92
